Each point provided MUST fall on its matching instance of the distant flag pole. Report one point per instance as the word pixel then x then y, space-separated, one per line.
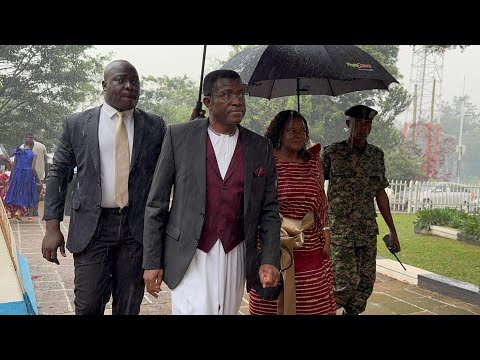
pixel 199 101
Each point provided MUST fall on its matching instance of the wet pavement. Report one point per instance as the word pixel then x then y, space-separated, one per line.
pixel 53 285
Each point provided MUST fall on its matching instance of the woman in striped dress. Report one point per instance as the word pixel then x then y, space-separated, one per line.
pixel 300 191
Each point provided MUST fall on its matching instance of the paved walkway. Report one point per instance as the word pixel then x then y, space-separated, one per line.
pixel 53 285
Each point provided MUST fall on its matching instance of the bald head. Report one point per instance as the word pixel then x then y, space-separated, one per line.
pixel 121 85
pixel 113 66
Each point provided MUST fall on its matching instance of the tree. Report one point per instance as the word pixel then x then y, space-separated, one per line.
pixel 172 98
pixel 443 48
pixel 469 168
pixel 39 85
pixel 404 162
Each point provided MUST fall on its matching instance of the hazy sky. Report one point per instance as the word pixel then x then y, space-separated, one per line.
pixel 179 60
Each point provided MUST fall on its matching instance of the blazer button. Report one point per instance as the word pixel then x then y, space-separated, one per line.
pixel 224 188
pixel 97 206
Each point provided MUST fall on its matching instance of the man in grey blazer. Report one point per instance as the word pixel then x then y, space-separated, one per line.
pixel 224 200
pixel 105 234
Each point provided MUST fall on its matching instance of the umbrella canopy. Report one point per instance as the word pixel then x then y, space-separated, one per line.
pixel 272 71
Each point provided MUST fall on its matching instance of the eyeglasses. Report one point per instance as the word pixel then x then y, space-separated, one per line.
pixel 228 96
pixel 292 132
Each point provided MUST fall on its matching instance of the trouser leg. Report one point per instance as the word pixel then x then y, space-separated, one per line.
pixel 127 285
pixel 93 267
pixel 345 276
pixel 367 267
pixel 92 278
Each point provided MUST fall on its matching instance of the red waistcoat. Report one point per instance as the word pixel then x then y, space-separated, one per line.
pixel 224 202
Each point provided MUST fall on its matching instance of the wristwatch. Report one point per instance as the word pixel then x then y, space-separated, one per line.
pixel 325 228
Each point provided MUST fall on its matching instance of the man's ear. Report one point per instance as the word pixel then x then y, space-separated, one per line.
pixel 206 101
pixel 347 121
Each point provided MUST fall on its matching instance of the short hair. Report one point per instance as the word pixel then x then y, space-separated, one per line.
pixel 274 131
pixel 213 77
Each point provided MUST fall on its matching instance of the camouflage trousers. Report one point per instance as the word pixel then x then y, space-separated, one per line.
pixel 354 272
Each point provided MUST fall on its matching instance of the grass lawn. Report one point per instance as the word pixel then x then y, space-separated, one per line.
pixel 451 258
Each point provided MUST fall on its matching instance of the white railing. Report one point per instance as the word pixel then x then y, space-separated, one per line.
pixel 410 196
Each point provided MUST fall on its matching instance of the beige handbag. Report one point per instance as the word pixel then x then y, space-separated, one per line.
pixel 291 237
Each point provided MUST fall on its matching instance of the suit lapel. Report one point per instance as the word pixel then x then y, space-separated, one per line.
pixel 92 137
pixel 198 161
pixel 139 129
pixel 248 163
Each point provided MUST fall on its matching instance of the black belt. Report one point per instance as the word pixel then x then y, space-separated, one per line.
pixel 115 210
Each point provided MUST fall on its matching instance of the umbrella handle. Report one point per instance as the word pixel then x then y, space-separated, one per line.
pixel 298 95
pixel 198 107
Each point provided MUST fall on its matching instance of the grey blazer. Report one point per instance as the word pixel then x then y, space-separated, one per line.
pixel 78 146
pixel 171 235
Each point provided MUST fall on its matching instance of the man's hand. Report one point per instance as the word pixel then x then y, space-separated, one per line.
pixel 53 240
pixel 153 279
pixel 394 243
pixel 269 275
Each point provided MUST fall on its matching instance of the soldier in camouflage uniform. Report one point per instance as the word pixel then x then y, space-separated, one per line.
pixel 356 173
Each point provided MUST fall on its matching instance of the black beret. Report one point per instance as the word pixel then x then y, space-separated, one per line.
pixel 361 112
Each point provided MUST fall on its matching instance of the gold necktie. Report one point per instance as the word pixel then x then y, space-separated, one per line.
pixel 122 162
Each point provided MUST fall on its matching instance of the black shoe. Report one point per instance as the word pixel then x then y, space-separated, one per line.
pixel 345 313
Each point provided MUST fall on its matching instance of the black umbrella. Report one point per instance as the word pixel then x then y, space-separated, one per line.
pixel 272 71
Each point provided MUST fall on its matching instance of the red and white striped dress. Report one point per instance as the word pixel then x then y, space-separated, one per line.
pixel 300 190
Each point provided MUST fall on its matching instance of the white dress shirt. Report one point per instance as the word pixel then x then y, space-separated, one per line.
pixel 106 142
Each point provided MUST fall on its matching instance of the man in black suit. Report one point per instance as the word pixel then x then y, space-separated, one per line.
pixel 224 196
pixel 105 234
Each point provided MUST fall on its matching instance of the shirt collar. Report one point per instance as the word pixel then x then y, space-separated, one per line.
pixel 110 111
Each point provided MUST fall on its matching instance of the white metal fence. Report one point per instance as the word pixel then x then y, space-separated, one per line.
pixel 410 196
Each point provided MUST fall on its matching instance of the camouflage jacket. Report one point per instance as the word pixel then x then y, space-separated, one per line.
pixel 354 179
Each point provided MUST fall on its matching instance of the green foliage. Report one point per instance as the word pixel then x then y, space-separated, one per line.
pixel 404 162
pixel 39 85
pixel 471 226
pixel 468 224
pixel 172 98
pixel 443 48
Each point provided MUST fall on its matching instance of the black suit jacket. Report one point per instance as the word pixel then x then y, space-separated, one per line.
pixel 78 146
pixel 172 234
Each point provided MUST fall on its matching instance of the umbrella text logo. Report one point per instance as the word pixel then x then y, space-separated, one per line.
pixel 363 67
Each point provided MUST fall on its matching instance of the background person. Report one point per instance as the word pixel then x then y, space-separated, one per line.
pixel 41 166
pixel 356 173
pixel 23 180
